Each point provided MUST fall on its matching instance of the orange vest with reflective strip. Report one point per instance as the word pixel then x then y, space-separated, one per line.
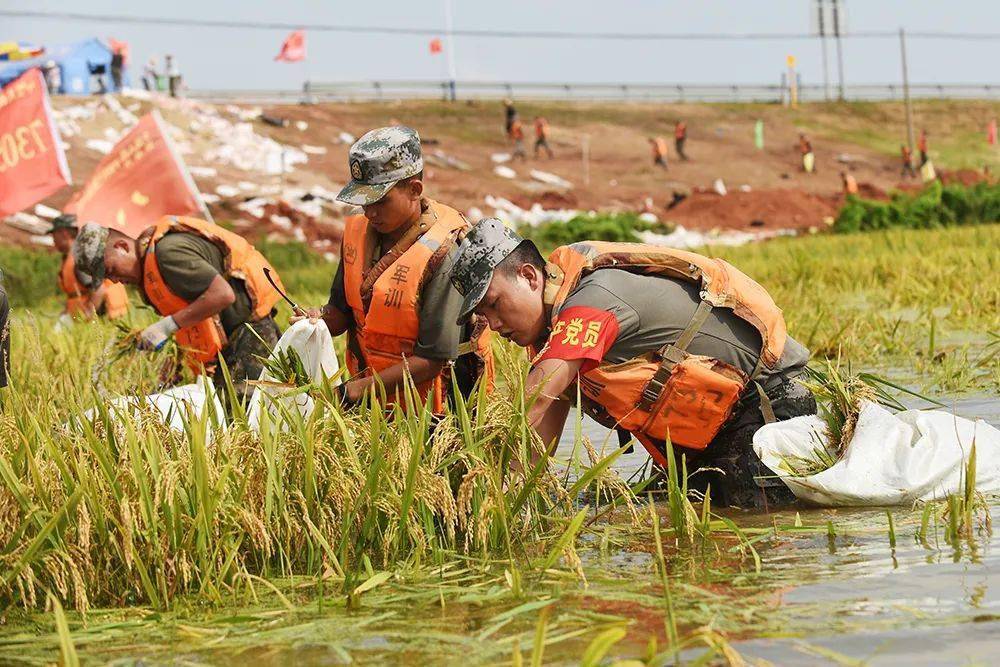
pixel 701 392
pixel 78 296
pixel 386 332
pixel 203 341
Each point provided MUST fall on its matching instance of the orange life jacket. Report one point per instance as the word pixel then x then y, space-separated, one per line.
pixel 669 394
pixel 516 130
pixel 78 296
pixel 386 321
pixel 541 128
pixel 203 341
pixel 659 147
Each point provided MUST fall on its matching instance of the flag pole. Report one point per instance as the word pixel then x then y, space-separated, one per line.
pixel 450 50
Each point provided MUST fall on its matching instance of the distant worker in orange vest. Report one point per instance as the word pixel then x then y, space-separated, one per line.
pixel 109 299
pixel 208 285
pixel 849 182
pixel 542 136
pixel 391 294
pixel 517 139
pixel 680 137
pixel 906 155
pixel 659 147
pixel 660 343
pixel 806 151
pixel 922 147
pixel 510 113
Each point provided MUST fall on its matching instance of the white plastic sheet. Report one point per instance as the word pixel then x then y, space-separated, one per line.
pixel 892 459
pixel 314 345
pixel 172 404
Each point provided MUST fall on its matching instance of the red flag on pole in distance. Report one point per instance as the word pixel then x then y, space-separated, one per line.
pixel 32 162
pixel 141 180
pixel 294 48
pixel 435 46
pixel 991 133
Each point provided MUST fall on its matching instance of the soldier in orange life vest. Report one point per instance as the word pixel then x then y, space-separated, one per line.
pixel 207 283
pixel 391 292
pixel 109 299
pixel 664 344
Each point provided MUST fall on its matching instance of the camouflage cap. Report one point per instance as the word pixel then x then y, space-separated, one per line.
pixel 378 161
pixel 488 243
pixel 88 253
pixel 63 221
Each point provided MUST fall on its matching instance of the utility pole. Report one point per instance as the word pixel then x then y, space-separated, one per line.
pixel 906 92
pixel 840 51
pixel 450 50
pixel 820 14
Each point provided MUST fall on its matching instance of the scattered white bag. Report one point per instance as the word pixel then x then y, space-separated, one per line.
pixel 172 404
pixel 892 459
pixel 314 345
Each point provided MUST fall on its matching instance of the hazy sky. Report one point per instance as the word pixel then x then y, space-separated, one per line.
pixel 240 58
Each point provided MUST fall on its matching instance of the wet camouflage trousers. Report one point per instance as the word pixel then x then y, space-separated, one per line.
pixel 4 337
pixel 243 356
pixel 737 476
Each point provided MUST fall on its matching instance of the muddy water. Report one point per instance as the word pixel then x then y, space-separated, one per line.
pixel 853 597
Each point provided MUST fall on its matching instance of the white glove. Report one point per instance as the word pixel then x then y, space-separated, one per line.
pixel 155 335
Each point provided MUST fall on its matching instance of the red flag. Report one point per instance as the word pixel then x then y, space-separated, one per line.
pixel 138 182
pixel 119 47
pixel 32 162
pixel 991 133
pixel 435 46
pixel 294 48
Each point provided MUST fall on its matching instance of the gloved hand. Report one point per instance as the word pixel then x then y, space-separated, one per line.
pixel 155 335
pixel 64 322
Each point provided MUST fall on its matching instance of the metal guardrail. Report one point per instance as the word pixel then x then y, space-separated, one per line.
pixel 378 91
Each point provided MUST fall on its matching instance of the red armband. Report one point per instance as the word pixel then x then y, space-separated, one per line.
pixel 581 332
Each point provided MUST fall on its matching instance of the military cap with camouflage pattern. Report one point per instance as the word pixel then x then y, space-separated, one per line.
pixel 88 253
pixel 379 160
pixel 488 243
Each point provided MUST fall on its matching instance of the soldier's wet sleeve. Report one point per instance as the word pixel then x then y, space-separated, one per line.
pixel 440 303
pixel 338 298
pixel 4 337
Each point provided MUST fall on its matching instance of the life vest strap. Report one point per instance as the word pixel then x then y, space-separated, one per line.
pixel 671 355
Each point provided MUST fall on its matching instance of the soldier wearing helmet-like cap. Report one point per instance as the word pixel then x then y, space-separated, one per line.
pixel 391 294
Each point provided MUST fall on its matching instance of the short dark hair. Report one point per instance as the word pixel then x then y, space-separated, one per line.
pixel 419 176
pixel 526 252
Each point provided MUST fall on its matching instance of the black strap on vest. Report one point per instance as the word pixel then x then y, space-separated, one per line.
pixel 675 353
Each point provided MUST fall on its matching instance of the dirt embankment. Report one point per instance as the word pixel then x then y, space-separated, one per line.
pixel 602 160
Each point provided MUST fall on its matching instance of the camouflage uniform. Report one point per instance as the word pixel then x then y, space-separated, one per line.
pixel 379 160
pixel 4 335
pixel 244 356
pixel 242 353
pixel 729 463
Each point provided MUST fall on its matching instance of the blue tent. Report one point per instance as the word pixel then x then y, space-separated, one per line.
pixel 79 64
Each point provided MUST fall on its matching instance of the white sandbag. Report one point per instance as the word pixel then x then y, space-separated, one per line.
pixel 173 405
pixel 892 459
pixel 314 345
pixel 504 172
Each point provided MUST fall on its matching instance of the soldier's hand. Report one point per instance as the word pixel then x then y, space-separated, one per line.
pixel 155 335
pixel 314 315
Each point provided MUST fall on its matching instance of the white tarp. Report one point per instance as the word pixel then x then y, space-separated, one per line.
pixel 892 459
pixel 172 404
pixel 314 345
